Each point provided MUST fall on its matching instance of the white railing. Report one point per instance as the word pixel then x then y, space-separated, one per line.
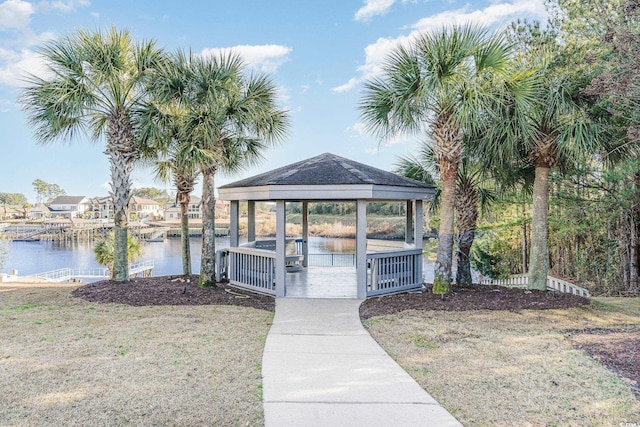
pixel 60 275
pixel 66 274
pixel 391 272
pixel 145 267
pixel 331 260
pixel 553 284
pixel 253 269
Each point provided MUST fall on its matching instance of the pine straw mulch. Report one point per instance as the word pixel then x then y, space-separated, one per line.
pixel 471 298
pixel 617 350
pixel 171 290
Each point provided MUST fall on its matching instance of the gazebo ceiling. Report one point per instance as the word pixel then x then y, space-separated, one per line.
pixel 326 177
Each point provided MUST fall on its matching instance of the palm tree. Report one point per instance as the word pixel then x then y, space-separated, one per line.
pixel 104 250
pixel 441 85
pixel 474 191
pixel 565 133
pixel 174 159
pixel 228 119
pixel 547 130
pixel 95 83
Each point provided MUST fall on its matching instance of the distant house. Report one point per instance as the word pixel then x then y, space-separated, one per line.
pixel 69 206
pixel 223 208
pixel 11 212
pixel 144 208
pixel 140 208
pixel 39 211
pixel 173 211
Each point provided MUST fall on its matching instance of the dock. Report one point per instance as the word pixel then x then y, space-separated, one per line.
pixel 137 269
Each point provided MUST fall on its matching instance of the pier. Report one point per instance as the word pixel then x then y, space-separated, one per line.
pixel 137 269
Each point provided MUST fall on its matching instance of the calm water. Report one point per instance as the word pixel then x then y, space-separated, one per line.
pixel 37 257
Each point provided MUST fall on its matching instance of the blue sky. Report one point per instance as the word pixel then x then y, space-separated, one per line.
pixel 318 52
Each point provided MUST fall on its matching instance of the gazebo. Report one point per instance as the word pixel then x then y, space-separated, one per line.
pixel 327 177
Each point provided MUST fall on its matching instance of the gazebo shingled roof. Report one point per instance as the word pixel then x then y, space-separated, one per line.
pixel 326 177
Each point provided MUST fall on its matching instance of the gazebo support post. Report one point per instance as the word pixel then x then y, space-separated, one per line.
pixel 417 234
pixel 305 234
pixel 281 226
pixel 408 224
pixel 233 223
pixel 361 248
pixel 251 221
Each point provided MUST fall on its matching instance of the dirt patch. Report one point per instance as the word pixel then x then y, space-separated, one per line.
pixel 618 350
pixel 470 299
pixel 171 290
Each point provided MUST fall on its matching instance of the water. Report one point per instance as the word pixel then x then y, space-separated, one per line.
pixel 37 257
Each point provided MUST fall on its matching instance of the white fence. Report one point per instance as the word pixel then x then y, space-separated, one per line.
pixel 391 272
pixel 554 284
pixel 253 269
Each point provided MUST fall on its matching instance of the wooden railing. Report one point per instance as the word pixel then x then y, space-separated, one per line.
pixel 253 269
pixel 553 284
pixel 396 271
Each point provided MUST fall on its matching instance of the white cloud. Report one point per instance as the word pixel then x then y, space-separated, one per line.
pixel 373 150
pixel 373 8
pixel 95 15
pixel 283 95
pixel 496 13
pixel 62 5
pixel 488 16
pixel 15 65
pixel 359 129
pixel 15 14
pixel 347 86
pixel 267 58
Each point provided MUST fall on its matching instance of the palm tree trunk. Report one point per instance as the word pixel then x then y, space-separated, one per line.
pixel 208 262
pixel 464 240
pixel 539 256
pixel 442 277
pixel 525 241
pixel 121 153
pixel 467 199
pixel 184 233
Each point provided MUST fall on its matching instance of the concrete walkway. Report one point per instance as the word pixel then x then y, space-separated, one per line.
pixel 322 368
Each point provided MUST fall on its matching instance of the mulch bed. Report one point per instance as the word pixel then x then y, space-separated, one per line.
pixel 171 290
pixel 617 350
pixel 472 298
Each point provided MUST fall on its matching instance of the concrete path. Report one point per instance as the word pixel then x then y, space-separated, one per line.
pixel 322 368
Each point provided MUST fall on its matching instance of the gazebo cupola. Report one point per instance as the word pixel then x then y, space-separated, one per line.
pixel 326 177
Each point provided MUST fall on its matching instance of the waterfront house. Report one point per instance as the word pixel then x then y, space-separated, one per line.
pixel 139 208
pixel 173 211
pixel 144 208
pixel 69 206
pixel 11 212
pixel 39 211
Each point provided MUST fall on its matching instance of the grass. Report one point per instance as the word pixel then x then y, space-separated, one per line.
pixel 496 368
pixel 64 361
